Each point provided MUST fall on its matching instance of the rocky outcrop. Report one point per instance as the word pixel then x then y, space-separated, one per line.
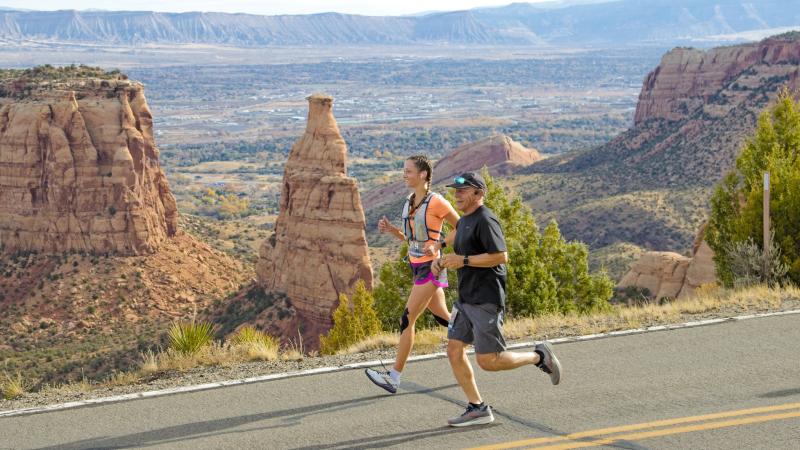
pixel 670 275
pixel 661 273
pixel 687 78
pixel 79 169
pixel 319 248
pixel 499 153
pixel 695 112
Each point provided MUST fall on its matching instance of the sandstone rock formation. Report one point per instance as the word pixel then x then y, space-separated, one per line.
pixel 687 78
pixel 319 249
pixel 79 168
pixel 670 275
pixel 499 153
pixel 645 186
pixel 661 273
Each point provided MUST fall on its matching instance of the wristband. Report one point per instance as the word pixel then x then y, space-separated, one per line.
pixel 466 260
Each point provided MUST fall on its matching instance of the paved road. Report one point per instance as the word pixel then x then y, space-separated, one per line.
pixel 732 385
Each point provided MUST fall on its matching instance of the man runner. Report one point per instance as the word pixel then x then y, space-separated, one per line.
pixel 477 317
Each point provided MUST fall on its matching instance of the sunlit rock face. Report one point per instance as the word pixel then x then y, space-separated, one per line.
pixel 319 249
pixel 79 169
pixel 688 78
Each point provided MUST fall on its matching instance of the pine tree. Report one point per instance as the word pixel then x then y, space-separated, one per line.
pixel 546 274
pixel 353 320
pixel 737 204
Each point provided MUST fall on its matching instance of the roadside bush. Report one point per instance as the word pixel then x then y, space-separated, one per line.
pixel 632 296
pixel 748 267
pixel 256 343
pixel 353 320
pixel 189 338
pixel 736 223
pixel 13 387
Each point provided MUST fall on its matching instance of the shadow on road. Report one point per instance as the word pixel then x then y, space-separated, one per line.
pixel 395 439
pixel 783 393
pixel 197 430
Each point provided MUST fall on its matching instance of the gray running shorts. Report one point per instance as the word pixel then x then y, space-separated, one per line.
pixel 480 325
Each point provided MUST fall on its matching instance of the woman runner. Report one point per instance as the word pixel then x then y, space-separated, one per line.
pixel 423 215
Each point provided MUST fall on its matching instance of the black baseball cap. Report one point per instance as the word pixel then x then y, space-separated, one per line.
pixel 468 179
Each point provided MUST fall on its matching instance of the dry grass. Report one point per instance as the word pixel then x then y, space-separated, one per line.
pixel 291 354
pixel 254 345
pixel 293 351
pixel 259 352
pixel 123 379
pixel 13 386
pixel 431 340
pixel 707 299
pixel 149 363
pixel 376 342
pixel 425 341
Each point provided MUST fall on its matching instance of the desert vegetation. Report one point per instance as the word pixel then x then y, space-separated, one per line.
pixel 736 226
pixel 48 72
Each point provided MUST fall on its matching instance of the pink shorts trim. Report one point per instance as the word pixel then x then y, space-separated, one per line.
pixel 433 280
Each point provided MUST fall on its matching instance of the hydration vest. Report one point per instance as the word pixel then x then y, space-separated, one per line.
pixel 420 234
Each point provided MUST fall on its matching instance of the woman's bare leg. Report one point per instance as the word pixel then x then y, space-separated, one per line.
pixel 438 305
pixel 417 302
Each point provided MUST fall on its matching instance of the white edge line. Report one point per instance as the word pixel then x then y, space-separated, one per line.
pixel 361 365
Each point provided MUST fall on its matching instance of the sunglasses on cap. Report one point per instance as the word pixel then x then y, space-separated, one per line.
pixel 462 180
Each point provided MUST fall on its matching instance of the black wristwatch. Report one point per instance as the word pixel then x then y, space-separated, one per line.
pixel 466 260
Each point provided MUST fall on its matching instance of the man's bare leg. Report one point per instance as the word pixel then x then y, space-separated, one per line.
pixel 462 370
pixel 494 362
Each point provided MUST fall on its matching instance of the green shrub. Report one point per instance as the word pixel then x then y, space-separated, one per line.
pixel 353 321
pixel 189 338
pixel 737 203
pixel 546 274
pixel 748 267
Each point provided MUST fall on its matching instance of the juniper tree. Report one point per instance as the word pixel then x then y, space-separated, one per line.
pixel 546 274
pixel 737 203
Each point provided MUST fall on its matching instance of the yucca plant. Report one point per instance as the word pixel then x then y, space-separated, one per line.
pixel 189 337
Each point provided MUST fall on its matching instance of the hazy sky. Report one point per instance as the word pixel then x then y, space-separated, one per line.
pixel 268 7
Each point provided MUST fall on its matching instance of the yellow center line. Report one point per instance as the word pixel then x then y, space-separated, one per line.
pixel 640 426
pixel 676 430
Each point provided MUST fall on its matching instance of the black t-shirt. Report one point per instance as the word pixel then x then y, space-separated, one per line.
pixel 479 233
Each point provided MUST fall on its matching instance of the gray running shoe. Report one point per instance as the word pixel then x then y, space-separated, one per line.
pixel 473 416
pixel 550 365
pixel 382 379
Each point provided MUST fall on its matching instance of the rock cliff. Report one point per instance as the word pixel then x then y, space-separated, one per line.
pixel 687 78
pixel 79 168
pixel 319 249
pixel 649 186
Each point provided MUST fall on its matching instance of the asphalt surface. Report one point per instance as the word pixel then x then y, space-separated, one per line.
pixel 726 386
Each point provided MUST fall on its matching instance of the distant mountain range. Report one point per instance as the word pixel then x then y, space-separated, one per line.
pixel 556 24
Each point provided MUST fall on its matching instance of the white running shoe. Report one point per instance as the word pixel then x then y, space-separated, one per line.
pixel 382 379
